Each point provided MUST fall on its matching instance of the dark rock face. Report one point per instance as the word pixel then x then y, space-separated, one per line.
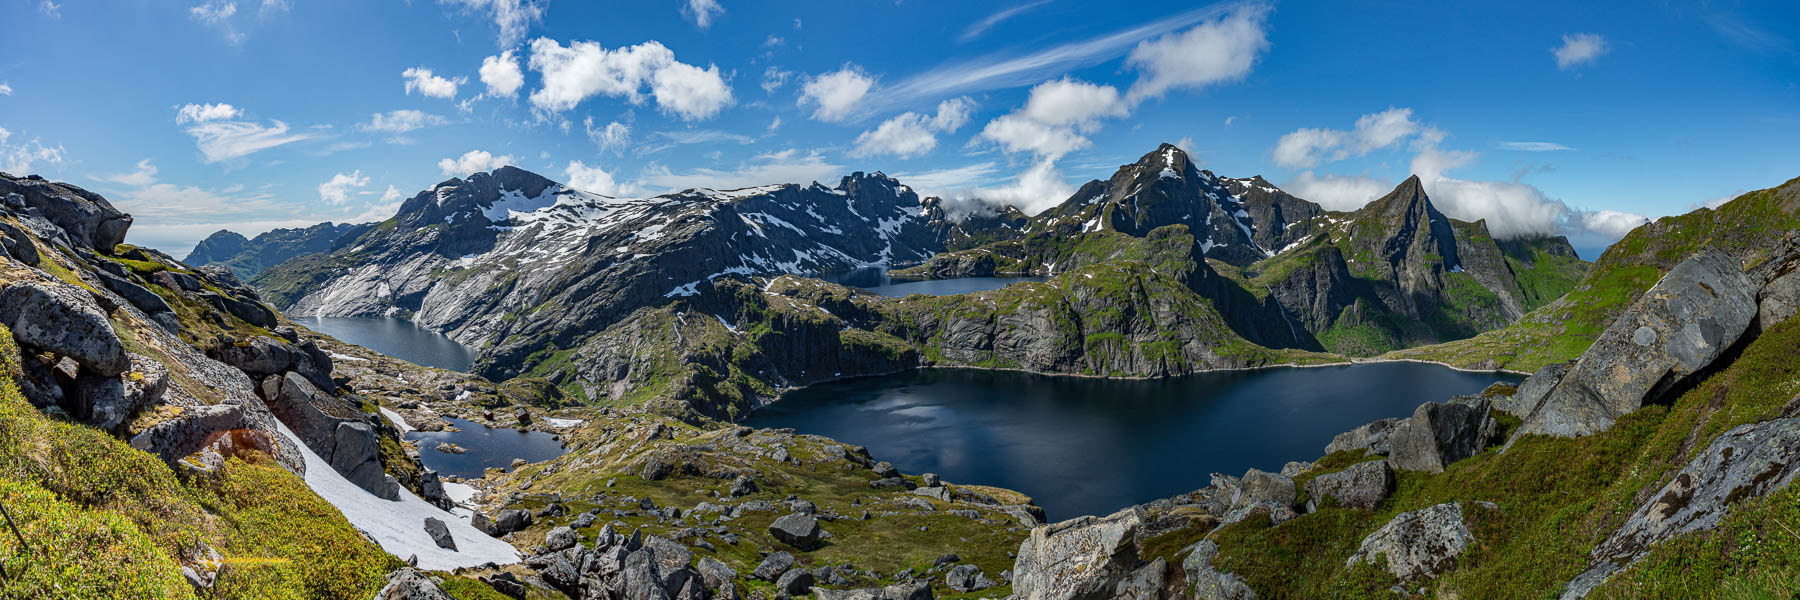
pixel 1420 544
pixel 1748 462
pixel 1362 486
pixel 967 578
pixel 87 219
pixel 64 320
pixel 796 582
pixel 1440 433
pixel 1672 332
pixel 799 531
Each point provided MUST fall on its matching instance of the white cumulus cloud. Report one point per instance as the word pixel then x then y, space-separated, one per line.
pixel 473 161
pixel 502 75
pixel 511 17
pixel 195 113
pixel 338 190
pixel 423 81
pixel 595 180
pixel 910 134
pixel 835 95
pixel 1579 49
pixel 18 158
pixel 614 136
pixel 1337 192
pixel 583 70
pixel 1309 147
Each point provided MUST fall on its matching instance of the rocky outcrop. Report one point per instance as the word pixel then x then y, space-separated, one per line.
pixel 1670 334
pixel 1260 487
pixel 918 590
pixel 1747 462
pixel 106 402
pixel 1361 486
pixel 638 566
pixel 1531 392
pixel 64 320
pixel 85 218
pixel 1207 582
pixel 1419 544
pixel 1440 433
pixel 1164 187
pixel 338 431
pixel 1077 559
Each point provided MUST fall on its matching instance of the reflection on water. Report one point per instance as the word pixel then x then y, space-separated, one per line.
pixel 483 447
pixel 1083 446
pixel 398 338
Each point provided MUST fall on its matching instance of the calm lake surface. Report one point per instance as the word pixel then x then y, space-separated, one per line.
pixel 876 279
pixel 398 338
pixel 1082 446
pixel 487 447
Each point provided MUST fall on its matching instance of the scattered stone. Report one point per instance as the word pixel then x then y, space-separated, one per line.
pixel 916 590
pixel 796 582
pixel 409 583
pixel 773 566
pixel 561 538
pixel 440 533
pixel 939 492
pixel 1262 486
pixel 885 469
pixel 715 574
pixel 930 480
pixel 967 578
pixel 742 486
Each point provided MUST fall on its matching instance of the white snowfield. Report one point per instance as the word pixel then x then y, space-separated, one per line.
pixel 399 526
pixel 398 421
pixel 567 423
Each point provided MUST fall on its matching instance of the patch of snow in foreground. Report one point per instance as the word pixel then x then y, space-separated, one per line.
pixel 563 423
pixel 460 493
pixel 398 421
pixel 399 526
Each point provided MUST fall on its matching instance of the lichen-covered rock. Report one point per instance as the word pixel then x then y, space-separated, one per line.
pixel 1673 331
pixel 88 219
pixel 1779 299
pixel 774 566
pixel 1440 433
pixel 1748 462
pixel 1418 544
pixel 1076 559
pixel 106 402
pixel 1258 487
pixel 917 590
pixel 1371 437
pixel 797 582
pixel 1531 392
pixel 64 320
pixel 1362 486
pixel 1209 583
pixel 561 538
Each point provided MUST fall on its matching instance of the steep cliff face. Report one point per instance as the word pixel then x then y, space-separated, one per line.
pixel 247 258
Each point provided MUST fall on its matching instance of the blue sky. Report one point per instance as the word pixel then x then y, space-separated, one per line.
pixel 196 115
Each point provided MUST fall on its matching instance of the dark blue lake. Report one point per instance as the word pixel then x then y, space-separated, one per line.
pixel 398 338
pixel 1082 446
pixel 485 447
pixel 877 280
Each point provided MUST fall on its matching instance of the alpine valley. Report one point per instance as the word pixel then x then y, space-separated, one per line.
pixel 170 429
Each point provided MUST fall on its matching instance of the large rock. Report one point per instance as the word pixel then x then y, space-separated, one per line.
pixel 356 453
pixel 106 402
pixel 1259 487
pixel 1672 332
pixel 1440 433
pixel 1209 583
pixel 1080 558
pixel 1779 299
pixel 561 538
pixel 917 590
pixel 1362 486
pixel 187 433
pixel 440 533
pixel 64 320
pixel 1419 544
pixel 409 583
pixel 139 296
pixel 1531 392
pixel 967 578
pixel 1371 437
pixel 250 311
pixel 799 531
pixel 336 430
pixel 797 582
pixel 774 566
pixel 714 573
pixel 1748 462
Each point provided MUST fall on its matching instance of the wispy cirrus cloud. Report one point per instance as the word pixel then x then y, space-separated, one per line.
pixel 974 30
pixel 1533 146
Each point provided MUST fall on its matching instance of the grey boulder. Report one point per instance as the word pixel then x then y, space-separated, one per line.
pixel 1670 333
pixel 1361 486
pixel 1440 433
pixel 1080 558
pixel 440 533
pixel 1260 487
pixel 1418 544
pixel 1371 437
pixel 797 530
pixel 409 583
pixel 1209 583
pixel 774 566
pixel 916 590
pixel 63 320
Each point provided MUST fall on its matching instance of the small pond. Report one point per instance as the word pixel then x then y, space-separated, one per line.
pixel 1085 446
pixel 484 447
pixel 877 280
pixel 398 338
